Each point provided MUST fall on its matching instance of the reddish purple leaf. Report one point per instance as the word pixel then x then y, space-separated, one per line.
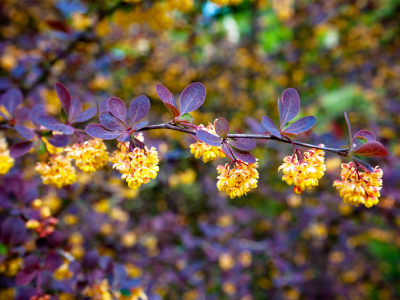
pixel 270 126
pixel 75 109
pixel 51 123
pixel 68 130
pixel 245 144
pixel 301 125
pixel 85 115
pixel 140 125
pixel 90 259
pixel 63 95
pixel 166 96
pixel 20 149
pixel 138 109
pixel 11 100
pixel 357 142
pixel 25 132
pixel 37 111
pixel 117 108
pixel 55 239
pixel 221 127
pixel 209 138
pixel 25 277
pixel 348 127
pixel 31 261
pixel 364 165
pixel 98 131
pixel 192 97
pixel 110 122
pixel 138 144
pixel 59 140
pixel 53 261
pixel 226 149
pixel 125 137
pixel 368 135
pixel 22 115
pixel 243 156
pixel 289 106
pixel 13 231
pixel 372 148
pixel 103 106
pixel 255 127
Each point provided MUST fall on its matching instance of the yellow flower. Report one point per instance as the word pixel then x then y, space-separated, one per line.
pixel 137 167
pixel 136 294
pixel 50 148
pixel 208 152
pixel 6 162
pixel 63 272
pixel 90 156
pixel 237 182
pixel 99 291
pixel 304 174
pixel 359 187
pixel 57 171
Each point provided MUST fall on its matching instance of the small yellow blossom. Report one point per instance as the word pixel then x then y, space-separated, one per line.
pixel 90 156
pixel 50 148
pixel 63 272
pixel 208 152
pixel 136 294
pixel 10 267
pixel 359 187
pixel 99 291
pixel 58 171
pixel 6 162
pixel 237 182
pixel 32 224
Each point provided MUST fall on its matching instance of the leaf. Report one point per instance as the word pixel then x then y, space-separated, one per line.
pixel 166 96
pixel 117 108
pixel 368 135
pixel 372 148
pixel 137 143
pixel 186 118
pixel 20 149
pixel 51 123
pixel 140 125
pixel 103 106
pixel 63 116
pixel 225 148
pixel 255 126
pixel 301 125
pixel 75 108
pixel 59 140
pixel 357 142
pixel 125 137
pixel 221 127
pixel 85 115
pixel 53 261
pixel 13 231
pixel 364 165
pixel 110 122
pixel 37 111
pixel 245 144
pixel 192 97
pixel 138 109
pixel 270 126
pixel 68 130
pixel 11 100
pixel 209 138
pixel 31 261
pixel 25 132
pixel 25 277
pixel 98 131
pixel 63 95
pixel 289 106
pixel 349 128
pixel 22 115
pixel 243 156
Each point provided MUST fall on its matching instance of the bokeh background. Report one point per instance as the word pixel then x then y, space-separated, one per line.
pixel 178 237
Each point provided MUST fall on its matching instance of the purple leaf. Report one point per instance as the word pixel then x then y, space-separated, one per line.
pixel 37 111
pixel 110 122
pixel 75 109
pixel 53 261
pixel 301 125
pixel 221 127
pixel 364 165
pixel 119 275
pixel 138 144
pixel 103 106
pixel 51 123
pixel 255 126
pixel 372 148
pixel 90 259
pixel 228 153
pixel 20 149
pixel 270 126
pixel 11 100
pixel 245 144
pixel 59 140
pixel 209 138
pixel 368 135
pixel 140 125
pixel 166 96
pixel 138 109
pixel 25 132
pixel 98 131
pixel 63 95
pixel 125 137
pixel 243 156
pixel 13 231
pixel 192 97
pixel 68 130
pixel 289 106
pixel 357 142
pixel 55 239
pixel 117 108
pixel 22 115
pixel 85 115
pixel 31 261
pixel 25 277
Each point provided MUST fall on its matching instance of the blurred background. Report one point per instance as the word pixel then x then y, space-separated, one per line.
pixel 178 236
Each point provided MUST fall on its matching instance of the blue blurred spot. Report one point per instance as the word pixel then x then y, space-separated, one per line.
pixel 117 54
pixel 210 9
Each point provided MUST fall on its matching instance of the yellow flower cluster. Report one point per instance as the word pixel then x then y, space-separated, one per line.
pixel 99 291
pixel 182 5
pixel 137 167
pixel 304 174
pixel 359 187
pixel 90 156
pixel 57 171
pixel 208 152
pixel 238 181
pixel 63 272
pixel 6 162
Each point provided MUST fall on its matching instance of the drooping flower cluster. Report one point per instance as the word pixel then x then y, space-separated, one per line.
pixel 90 156
pixel 57 171
pixel 304 174
pixel 359 187
pixel 46 224
pixel 237 181
pixel 137 167
pixel 208 152
pixel 6 162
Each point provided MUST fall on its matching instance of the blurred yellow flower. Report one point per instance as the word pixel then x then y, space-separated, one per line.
pixel 90 156
pixel 58 171
pixel 6 162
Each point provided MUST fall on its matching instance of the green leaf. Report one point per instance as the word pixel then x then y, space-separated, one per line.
pixel 186 118
pixel 3 249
